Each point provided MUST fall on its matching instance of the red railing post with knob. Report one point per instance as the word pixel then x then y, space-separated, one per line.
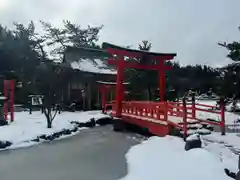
pixel 166 111
pixel 12 88
pixel 193 107
pixel 184 119
pixel 6 94
pixel 222 112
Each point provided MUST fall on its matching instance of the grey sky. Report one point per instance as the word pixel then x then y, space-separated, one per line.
pixel 190 28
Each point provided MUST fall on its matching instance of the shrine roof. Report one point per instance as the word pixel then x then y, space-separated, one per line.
pixel 106 45
pixel 89 60
pixel 92 65
pixel 85 51
pixel 111 83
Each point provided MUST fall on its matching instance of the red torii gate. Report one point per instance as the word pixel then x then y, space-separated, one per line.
pixel 118 59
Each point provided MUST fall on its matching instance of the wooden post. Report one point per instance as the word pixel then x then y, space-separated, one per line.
pixel 162 83
pixel 222 123
pixel 193 107
pixel 6 94
pixel 165 111
pixel 184 119
pixel 119 88
pixel 103 96
pixel 12 88
pixel 89 96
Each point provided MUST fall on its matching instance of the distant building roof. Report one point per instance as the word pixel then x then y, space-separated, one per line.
pixel 108 45
pixel 92 65
pixel 111 83
pixel 88 60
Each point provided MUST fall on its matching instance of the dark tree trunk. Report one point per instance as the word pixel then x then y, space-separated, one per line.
pixel 49 122
pixel 149 94
pixel 47 113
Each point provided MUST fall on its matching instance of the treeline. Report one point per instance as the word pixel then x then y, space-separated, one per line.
pixel 30 58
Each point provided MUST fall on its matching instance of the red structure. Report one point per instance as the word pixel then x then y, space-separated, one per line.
pixel 119 54
pixel 160 118
pixel 105 88
pixel 9 87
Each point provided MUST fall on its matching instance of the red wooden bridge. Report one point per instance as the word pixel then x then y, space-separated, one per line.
pixel 160 118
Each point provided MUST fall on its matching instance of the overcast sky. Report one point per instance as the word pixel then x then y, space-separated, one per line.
pixel 191 28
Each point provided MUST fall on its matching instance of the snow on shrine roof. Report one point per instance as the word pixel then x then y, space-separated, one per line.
pixel 93 66
pixel 106 45
pixel 2 98
pixel 111 83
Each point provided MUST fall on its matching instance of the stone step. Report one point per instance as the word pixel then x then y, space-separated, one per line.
pixel 202 131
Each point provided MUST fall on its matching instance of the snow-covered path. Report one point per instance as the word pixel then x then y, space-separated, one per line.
pixel 92 154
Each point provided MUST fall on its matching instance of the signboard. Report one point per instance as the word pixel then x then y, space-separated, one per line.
pixel 36 100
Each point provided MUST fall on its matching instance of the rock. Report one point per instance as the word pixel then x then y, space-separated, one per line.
pixel 192 142
pixel 8 143
pixel 4 144
pixel 42 136
pixel 36 140
pixel 105 121
pixel 74 122
pixel 3 123
pixel 231 174
pixel 50 137
pixel 75 129
pixel 60 133
pixel 67 131
pixel 91 123
pixel 57 134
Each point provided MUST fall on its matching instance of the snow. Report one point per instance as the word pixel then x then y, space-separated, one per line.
pixel 207 102
pixel 165 158
pixel 229 107
pixel 87 65
pixel 193 137
pixel 27 127
pixel 2 98
pixel 226 147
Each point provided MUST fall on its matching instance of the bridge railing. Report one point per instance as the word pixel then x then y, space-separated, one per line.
pixel 166 111
pixel 146 109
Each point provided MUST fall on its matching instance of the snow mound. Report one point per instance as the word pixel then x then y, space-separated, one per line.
pixel 165 158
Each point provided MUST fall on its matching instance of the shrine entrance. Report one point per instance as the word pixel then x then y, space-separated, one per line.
pixel 106 89
pixel 145 59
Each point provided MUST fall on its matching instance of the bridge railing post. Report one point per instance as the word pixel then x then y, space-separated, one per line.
pixel 222 114
pixel 184 119
pixel 193 106
pixel 166 111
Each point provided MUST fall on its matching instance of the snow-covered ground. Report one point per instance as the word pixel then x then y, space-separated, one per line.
pixel 165 158
pixel 27 127
pixel 227 148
